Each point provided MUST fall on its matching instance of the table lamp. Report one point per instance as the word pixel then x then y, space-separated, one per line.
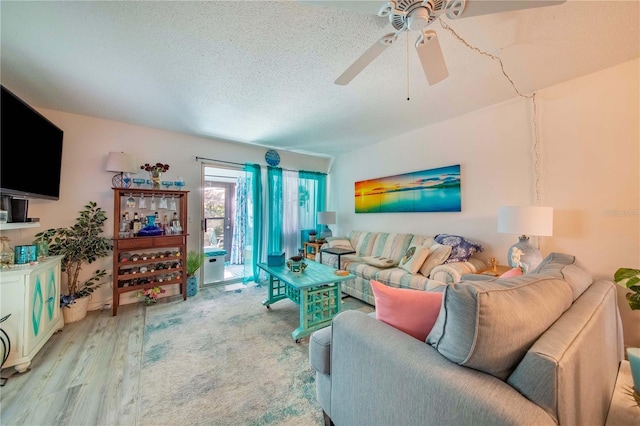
pixel 326 218
pixel 123 164
pixel 525 220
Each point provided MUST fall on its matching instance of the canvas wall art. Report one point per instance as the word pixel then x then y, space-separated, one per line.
pixel 433 190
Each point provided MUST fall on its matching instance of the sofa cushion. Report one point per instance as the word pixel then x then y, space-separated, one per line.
pixel 413 258
pixel 401 278
pixel 490 325
pixel 391 245
pixel 438 253
pixel 339 242
pixel 411 311
pixel 422 240
pixel 362 242
pixel 564 266
pixel 380 262
pixel 462 248
pixel 363 270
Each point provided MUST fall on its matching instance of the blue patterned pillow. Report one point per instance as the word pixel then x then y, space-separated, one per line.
pixel 461 248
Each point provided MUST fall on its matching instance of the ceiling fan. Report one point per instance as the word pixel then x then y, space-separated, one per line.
pixel 418 15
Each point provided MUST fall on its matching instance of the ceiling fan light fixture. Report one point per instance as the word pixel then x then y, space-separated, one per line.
pixel 418 19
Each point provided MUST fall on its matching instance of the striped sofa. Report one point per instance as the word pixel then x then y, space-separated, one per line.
pixel 392 246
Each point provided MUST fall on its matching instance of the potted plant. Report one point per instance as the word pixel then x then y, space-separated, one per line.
pixel 79 244
pixel 195 260
pixel 630 278
pixel 312 235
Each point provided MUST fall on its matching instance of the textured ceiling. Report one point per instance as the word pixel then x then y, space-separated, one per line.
pixel 262 72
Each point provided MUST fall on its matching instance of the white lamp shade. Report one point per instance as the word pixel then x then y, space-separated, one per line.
pixel 121 162
pixel 327 218
pixel 526 220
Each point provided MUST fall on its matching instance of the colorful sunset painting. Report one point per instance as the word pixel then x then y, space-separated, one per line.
pixel 434 190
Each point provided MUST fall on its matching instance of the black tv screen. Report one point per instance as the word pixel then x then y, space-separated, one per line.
pixel 31 151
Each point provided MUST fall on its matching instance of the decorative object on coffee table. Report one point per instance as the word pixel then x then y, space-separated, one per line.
pixel 296 264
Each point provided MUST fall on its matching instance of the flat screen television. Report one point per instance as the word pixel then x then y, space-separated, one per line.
pixel 31 151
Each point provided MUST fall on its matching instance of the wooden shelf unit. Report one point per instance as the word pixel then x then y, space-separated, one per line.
pixel 148 244
pixel 311 249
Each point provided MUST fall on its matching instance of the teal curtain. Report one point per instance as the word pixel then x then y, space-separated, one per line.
pixel 253 227
pixel 275 209
pixel 315 184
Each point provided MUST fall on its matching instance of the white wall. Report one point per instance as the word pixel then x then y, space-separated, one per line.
pixel 492 147
pixel 87 142
pixel 589 164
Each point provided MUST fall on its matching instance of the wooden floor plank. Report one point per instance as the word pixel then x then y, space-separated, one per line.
pixel 89 373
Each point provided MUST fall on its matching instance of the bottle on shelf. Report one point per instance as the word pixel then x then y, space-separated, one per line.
pixel 137 225
pixel 175 224
pixel 165 225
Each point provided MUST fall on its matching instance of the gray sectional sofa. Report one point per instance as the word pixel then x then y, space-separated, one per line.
pixel 392 246
pixel 540 349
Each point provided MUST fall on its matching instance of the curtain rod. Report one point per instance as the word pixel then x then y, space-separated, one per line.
pixel 243 164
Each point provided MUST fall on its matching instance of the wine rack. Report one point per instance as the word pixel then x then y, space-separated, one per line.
pixel 143 262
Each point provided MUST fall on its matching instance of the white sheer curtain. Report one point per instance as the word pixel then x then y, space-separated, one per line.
pixel 290 217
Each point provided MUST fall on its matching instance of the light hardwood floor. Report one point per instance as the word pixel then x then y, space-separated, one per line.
pixel 88 373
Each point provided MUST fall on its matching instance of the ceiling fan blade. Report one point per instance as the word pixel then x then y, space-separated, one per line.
pixel 431 57
pixel 364 6
pixel 367 57
pixel 486 7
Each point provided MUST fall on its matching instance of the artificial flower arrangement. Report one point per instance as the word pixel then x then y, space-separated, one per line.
pixel 151 294
pixel 155 168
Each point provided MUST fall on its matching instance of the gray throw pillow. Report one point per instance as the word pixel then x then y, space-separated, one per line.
pixel 490 325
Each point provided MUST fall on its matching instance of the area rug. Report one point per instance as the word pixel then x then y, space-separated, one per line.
pixel 222 358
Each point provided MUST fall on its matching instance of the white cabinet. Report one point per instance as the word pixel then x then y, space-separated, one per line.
pixel 31 294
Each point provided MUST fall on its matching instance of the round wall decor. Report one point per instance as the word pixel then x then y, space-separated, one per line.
pixel 272 158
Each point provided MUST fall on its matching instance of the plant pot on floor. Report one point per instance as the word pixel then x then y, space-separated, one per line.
pixel 76 311
pixel 192 286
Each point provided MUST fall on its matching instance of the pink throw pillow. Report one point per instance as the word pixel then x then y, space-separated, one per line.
pixel 411 311
pixel 512 273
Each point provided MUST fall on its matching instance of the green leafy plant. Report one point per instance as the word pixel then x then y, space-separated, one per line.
pixel 194 261
pixel 630 278
pixel 79 244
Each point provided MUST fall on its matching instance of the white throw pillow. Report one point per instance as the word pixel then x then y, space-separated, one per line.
pixel 413 258
pixel 380 262
pixel 438 253
pixel 339 242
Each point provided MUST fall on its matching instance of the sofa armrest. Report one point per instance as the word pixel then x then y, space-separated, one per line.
pixel 451 273
pixel 320 350
pixel 380 375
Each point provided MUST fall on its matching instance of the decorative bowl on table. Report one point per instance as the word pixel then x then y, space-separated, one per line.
pixel 296 264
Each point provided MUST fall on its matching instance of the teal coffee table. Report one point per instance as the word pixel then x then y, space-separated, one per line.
pixel 316 291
